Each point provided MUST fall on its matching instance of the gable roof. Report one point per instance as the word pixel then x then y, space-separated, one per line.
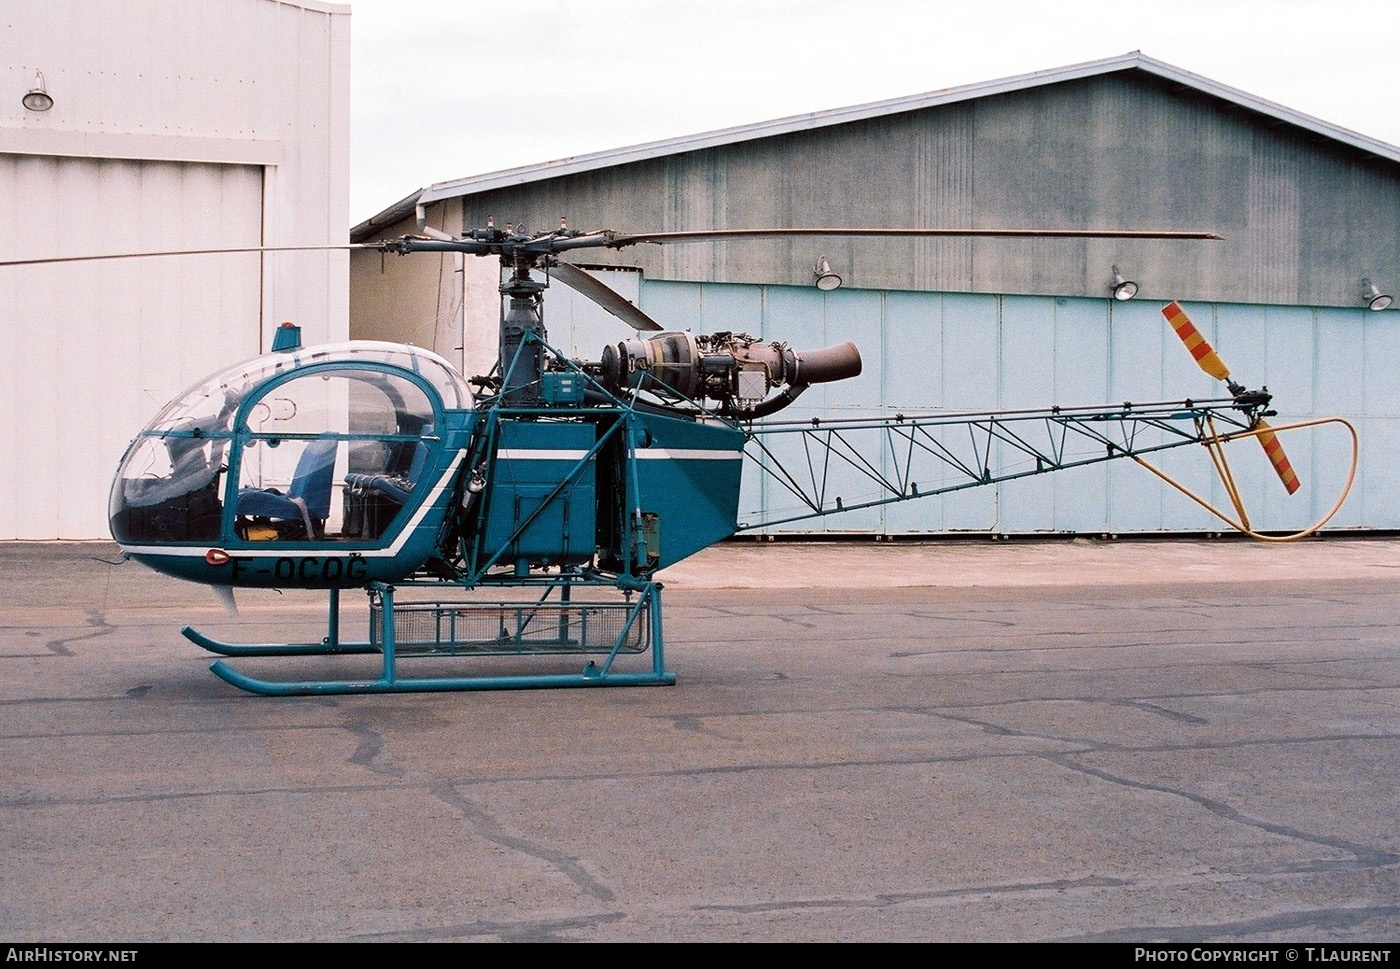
pixel 1135 60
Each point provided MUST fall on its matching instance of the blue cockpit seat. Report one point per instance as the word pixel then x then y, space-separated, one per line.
pixel 308 498
pixel 373 501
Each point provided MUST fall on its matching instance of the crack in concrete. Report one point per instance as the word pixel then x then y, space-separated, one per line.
pixel 1288 923
pixel 886 899
pixel 1159 710
pixel 96 619
pixel 367 753
pixel 1366 856
pixel 485 825
pixel 550 930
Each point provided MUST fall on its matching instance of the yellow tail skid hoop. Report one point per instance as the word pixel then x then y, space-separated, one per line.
pixel 1215 444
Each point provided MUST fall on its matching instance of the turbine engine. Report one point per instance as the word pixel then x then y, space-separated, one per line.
pixel 735 369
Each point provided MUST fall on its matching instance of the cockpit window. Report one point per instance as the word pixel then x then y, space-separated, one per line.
pixel 334 453
pixel 168 489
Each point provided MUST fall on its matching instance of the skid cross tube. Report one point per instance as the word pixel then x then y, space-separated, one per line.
pixel 595 672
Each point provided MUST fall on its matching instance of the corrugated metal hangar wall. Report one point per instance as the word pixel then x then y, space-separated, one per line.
pixel 959 324
pixel 173 126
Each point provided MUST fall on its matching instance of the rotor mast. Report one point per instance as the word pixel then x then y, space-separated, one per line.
pixel 522 337
pixel 522 332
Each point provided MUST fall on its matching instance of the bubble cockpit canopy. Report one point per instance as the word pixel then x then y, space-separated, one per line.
pixel 252 455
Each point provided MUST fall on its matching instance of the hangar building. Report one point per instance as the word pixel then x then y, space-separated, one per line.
pixel 150 127
pixel 1307 211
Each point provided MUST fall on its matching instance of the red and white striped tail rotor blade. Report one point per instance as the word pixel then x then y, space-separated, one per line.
pixel 1277 458
pixel 1202 351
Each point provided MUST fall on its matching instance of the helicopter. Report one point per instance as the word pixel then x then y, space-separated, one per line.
pixel 379 467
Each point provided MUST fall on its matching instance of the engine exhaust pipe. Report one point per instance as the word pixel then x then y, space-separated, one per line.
pixel 839 362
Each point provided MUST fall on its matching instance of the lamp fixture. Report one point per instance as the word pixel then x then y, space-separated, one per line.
pixel 826 280
pixel 1373 297
pixel 1123 289
pixel 38 97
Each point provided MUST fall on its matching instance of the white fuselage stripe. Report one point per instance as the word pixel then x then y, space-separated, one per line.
pixel 423 509
pixel 644 454
pixel 541 454
pixel 687 454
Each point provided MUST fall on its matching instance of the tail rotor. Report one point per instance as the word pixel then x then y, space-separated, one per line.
pixel 1210 361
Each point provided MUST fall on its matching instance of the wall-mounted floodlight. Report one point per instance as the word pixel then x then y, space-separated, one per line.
pixel 1373 297
pixel 1123 289
pixel 826 280
pixel 38 97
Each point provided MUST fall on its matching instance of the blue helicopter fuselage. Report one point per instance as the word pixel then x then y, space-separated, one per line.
pixel 341 466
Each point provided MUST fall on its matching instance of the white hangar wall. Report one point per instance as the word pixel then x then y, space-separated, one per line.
pixel 174 126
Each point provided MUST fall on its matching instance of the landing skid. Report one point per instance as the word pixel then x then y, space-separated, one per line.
pixel 330 646
pixel 603 632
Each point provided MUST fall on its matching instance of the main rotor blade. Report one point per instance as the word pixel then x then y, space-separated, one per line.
pixel 176 252
pixel 604 295
pixel 618 240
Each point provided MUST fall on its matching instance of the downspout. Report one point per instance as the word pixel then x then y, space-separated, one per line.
pixel 420 213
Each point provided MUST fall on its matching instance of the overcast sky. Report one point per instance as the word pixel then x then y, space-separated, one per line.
pixel 443 89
